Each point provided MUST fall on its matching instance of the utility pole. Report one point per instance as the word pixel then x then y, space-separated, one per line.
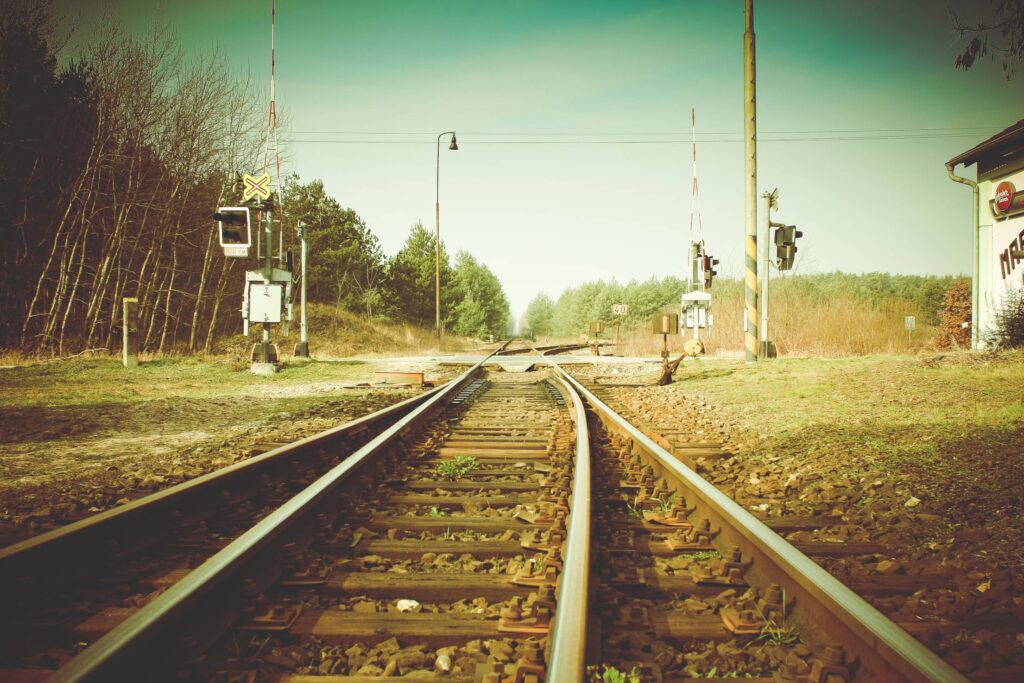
pixel 770 203
pixel 302 350
pixel 437 231
pixel 750 337
pixel 265 354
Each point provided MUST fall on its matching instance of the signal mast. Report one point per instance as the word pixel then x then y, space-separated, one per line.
pixel 266 299
pixel 696 301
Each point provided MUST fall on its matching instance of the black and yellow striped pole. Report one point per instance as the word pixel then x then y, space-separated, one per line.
pixel 750 337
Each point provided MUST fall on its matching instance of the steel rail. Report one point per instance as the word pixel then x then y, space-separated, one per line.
pixel 887 652
pixel 568 637
pixel 32 565
pixel 205 596
pixel 562 348
pixel 542 350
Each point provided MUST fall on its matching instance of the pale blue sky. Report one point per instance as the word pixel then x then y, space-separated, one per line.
pixel 546 216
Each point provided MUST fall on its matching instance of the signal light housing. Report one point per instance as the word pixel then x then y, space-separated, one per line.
pixel 785 245
pixel 709 264
pixel 233 225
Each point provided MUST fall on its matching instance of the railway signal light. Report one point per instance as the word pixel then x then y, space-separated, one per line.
pixel 233 225
pixel 709 264
pixel 785 245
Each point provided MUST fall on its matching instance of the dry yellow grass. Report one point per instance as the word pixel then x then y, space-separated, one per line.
pixel 803 327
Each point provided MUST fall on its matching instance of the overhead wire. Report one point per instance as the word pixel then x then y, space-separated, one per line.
pixel 765 138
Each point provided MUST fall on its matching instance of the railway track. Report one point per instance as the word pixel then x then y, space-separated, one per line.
pixel 466 540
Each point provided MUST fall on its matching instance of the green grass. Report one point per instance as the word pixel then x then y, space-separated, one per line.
pixel 78 382
pixel 938 426
pixel 457 467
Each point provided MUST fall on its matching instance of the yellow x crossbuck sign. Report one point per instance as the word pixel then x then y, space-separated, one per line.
pixel 256 187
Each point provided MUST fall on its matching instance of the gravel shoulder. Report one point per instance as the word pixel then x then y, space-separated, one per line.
pixel 924 455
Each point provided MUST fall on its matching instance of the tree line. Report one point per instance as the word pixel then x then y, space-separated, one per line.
pixel 576 307
pixel 111 165
pixel 349 270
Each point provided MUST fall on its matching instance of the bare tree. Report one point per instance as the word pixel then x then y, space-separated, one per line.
pixel 999 33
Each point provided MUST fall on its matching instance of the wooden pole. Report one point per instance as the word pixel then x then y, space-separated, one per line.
pixel 129 343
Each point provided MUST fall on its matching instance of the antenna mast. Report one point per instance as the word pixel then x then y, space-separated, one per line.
pixel 695 203
pixel 271 141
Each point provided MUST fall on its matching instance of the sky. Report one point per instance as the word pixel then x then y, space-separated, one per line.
pixel 574 128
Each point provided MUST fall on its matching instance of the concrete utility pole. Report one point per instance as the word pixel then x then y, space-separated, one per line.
pixel 750 336
pixel 303 349
pixel 265 355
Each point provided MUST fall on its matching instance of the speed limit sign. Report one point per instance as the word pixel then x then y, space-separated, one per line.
pixel 620 309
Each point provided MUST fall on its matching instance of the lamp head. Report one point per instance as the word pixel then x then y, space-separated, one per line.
pixel 454 145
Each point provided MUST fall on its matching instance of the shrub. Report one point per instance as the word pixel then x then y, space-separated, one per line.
pixel 955 312
pixel 1008 331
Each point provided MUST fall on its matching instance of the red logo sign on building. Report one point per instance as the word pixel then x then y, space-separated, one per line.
pixel 1005 192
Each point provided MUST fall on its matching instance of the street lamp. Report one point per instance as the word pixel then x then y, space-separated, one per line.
pixel 437 231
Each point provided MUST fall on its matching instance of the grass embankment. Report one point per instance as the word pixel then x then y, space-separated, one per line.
pixel 97 383
pixel 949 429
pixel 79 436
pixel 333 333
pixel 338 333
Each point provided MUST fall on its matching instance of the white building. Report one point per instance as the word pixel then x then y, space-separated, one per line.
pixel 998 228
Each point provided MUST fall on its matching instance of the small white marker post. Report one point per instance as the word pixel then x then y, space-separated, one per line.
pixel 130 352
